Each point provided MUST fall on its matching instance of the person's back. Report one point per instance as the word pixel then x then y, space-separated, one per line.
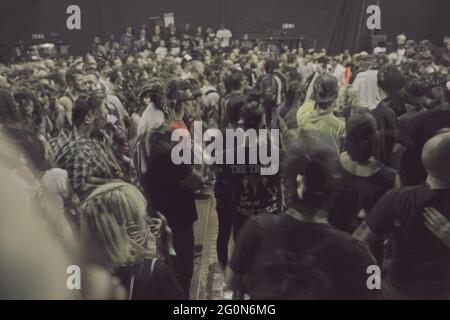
pixel 388 128
pixel 162 179
pixel 420 262
pixel 354 193
pixel 329 264
pixel 365 86
pixel 298 254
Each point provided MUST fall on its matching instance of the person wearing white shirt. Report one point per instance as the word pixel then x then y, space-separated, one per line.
pixel 161 51
pixel 224 35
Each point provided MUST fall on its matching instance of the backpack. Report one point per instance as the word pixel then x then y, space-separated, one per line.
pixel 282 274
pixel 269 89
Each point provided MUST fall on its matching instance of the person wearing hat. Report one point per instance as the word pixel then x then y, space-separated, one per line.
pixel 317 113
pixel 153 97
pixel 284 256
pixel 421 261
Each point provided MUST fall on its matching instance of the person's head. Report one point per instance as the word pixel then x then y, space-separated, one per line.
pixel 117 62
pixel 114 227
pixel 361 136
pixel 325 90
pixel 74 79
pixel 307 179
pixel 89 113
pixel 252 115
pixel 390 79
pixel 270 66
pixel 162 43
pixel 435 156
pixel 129 30
pixel 96 40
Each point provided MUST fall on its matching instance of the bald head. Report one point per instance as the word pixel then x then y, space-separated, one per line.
pixel 436 157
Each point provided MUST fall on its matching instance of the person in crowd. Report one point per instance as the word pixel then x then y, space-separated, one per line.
pixel 360 180
pixel 297 254
pixel 161 51
pixel 29 272
pixel 420 261
pixel 253 193
pixel 100 118
pixel 223 190
pixel 85 159
pixel 235 81
pixel 390 82
pixel 271 87
pixel 126 40
pixel 317 113
pixel 153 97
pixel 9 113
pixel 119 211
pixel 170 189
pixel 224 35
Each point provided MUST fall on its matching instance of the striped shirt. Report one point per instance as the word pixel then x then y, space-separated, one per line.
pixel 82 158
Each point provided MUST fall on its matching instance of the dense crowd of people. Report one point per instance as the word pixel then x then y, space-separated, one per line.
pixel 88 177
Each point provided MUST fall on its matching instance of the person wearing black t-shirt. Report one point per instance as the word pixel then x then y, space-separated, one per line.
pixel 421 261
pixel 253 193
pixel 359 179
pixel 169 188
pixel 298 254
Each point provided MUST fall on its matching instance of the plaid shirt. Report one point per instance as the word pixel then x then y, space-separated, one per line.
pixel 82 158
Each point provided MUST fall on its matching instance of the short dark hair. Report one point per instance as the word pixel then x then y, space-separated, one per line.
pixel 82 107
pixel 252 115
pixel 270 65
